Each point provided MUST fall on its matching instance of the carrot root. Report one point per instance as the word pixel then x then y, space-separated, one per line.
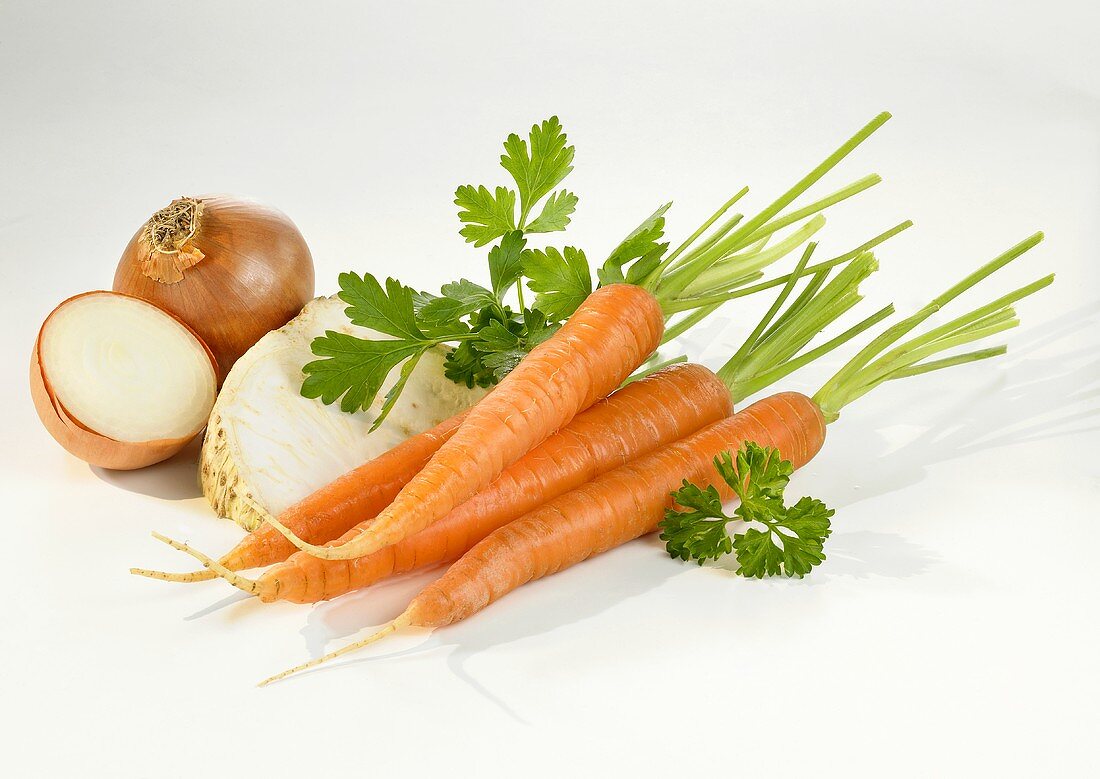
pixel 217 569
pixel 402 621
pixel 204 575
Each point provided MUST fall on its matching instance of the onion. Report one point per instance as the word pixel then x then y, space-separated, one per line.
pixel 120 383
pixel 267 447
pixel 232 269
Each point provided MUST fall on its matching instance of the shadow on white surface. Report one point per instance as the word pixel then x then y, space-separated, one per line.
pixel 1004 412
pixel 1060 404
pixel 862 554
pixel 577 598
pixel 237 596
pixel 177 478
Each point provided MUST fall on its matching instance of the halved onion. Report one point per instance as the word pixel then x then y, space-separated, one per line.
pixel 120 383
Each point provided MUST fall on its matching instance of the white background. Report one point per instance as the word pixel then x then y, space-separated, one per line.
pixel 953 630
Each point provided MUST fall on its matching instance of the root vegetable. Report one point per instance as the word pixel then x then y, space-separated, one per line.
pixel 267 447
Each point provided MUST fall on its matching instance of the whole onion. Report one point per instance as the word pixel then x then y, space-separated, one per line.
pixel 232 269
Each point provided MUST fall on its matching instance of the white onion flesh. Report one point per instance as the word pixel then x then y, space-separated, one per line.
pixel 127 370
pixel 267 447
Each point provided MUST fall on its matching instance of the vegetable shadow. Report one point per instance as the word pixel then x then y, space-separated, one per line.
pixel 177 478
pixel 856 554
pixel 1031 397
pixel 577 594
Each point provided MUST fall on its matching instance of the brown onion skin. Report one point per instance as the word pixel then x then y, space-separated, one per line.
pixel 256 276
pixel 80 440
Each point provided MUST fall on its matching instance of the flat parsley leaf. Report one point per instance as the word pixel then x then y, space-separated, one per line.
pixel 643 245
pixel 540 168
pixel 487 215
pixel 388 310
pixel 555 213
pixel 562 279
pixel 506 262
pixel 457 299
pixel 792 541
pixel 353 369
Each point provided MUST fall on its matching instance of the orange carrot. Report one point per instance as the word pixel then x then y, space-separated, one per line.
pixel 612 332
pixel 630 501
pixel 633 421
pixel 609 434
pixel 603 341
pixel 332 510
pixel 608 511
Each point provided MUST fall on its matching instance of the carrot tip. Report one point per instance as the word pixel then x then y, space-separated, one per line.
pixel 402 621
pixel 204 575
pixel 213 566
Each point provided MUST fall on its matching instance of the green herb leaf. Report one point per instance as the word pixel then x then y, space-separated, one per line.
pixel 759 474
pixel 699 531
pixel 538 327
pixel 562 280
pixel 487 215
pixel 396 390
pixel 458 299
pixel 503 347
pixel 541 168
pixel 388 310
pixel 506 262
pixel 463 365
pixel 792 540
pixel 354 369
pixel 809 519
pixel 555 213
pixel 643 242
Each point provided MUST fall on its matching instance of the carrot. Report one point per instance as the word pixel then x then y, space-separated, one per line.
pixel 268 545
pixel 630 501
pixel 332 510
pixel 608 511
pixel 631 422
pixel 603 341
pixel 612 332
pixel 635 420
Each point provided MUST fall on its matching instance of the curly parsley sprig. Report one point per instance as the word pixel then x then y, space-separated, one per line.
pixel 792 539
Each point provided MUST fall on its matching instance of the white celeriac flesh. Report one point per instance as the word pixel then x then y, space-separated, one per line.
pixel 267 447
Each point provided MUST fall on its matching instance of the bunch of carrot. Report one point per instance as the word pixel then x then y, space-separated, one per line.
pixel 562 460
